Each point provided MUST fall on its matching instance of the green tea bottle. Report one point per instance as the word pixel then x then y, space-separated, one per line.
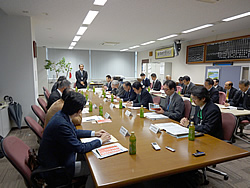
pixel 112 97
pixel 120 104
pixel 191 134
pixel 148 89
pixel 90 106
pixel 76 89
pixel 100 110
pixel 87 87
pixel 141 112
pixel 94 89
pixel 132 144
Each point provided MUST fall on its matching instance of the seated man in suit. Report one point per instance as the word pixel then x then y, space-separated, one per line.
pixel 57 94
pixel 145 81
pixel 168 77
pixel 61 78
pixel 188 85
pixel 230 91
pixel 57 106
pixel 216 85
pixel 156 83
pixel 213 93
pixel 242 98
pixel 81 77
pixel 129 95
pixel 61 141
pixel 181 82
pixel 108 84
pixel 173 105
pixel 207 117
pixel 142 98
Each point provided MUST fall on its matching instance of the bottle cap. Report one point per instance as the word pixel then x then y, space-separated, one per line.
pixel 132 132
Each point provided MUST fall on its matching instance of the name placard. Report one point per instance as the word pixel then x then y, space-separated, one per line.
pixel 94 106
pixel 100 96
pixel 105 100
pixel 154 128
pixel 107 116
pixel 112 105
pixel 124 131
pixel 128 113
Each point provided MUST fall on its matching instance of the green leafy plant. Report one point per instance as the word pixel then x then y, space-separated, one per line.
pixel 58 67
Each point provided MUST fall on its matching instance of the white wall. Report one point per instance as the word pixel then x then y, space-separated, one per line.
pixel 195 71
pixel 42 72
pixel 17 63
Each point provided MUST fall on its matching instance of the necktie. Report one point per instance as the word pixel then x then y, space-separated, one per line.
pixel 139 98
pixel 168 103
pixel 185 90
pixel 199 115
pixel 153 84
pixel 227 95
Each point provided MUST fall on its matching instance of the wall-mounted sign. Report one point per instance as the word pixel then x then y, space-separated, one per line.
pixel 164 53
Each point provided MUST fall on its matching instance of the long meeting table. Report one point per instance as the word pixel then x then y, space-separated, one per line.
pixel 124 169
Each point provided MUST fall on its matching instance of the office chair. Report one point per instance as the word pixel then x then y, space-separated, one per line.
pixel 16 151
pixel 39 113
pixel 241 135
pixel 187 107
pixel 46 93
pixel 228 127
pixel 222 97
pixel 74 85
pixel 42 103
pixel 34 126
pixel 157 100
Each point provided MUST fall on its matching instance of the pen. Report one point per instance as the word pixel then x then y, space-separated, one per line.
pixel 170 149
pixel 98 153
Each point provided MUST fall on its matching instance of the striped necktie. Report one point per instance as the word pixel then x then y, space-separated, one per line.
pixel 227 95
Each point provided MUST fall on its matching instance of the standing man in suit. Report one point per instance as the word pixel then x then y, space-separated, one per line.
pixel 173 105
pixel 145 81
pixel 188 85
pixel 213 93
pixel 108 84
pixel 61 140
pixel 143 97
pixel 129 95
pixel 57 94
pixel 81 77
pixel 156 83
pixel 216 85
pixel 207 117
pixel 230 91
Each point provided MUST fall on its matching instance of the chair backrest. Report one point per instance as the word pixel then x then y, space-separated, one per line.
pixel 157 100
pixel 34 126
pixel 43 104
pixel 178 89
pixel 39 113
pixel 222 97
pixel 45 89
pixel 228 125
pixel 16 151
pixel 46 93
pixel 74 85
pixel 187 110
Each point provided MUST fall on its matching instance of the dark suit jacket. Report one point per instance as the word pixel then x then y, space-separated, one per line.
pixel 157 85
pixel 54 96
pixel 60 143
pixel 80 77
pixel 239 101
pixel 211 120
pixel 146 82
pixel 214 95
pixel 176 107
pixel 187 90
pixel 108 84
pixel 54 87
pixel 129 96
pixel 219 88
pixel 143 99
pixel 232 92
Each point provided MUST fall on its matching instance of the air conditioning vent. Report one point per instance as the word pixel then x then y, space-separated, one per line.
pixel 208 1
pixel 110 43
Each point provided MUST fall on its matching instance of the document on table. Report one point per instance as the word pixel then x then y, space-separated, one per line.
pixel 173 129
pixel 92 118
pixel 109 150
pixel 112 140
pixel 135 108
pixel 229 107
pixel 154 116
pixel 123 105
pixel 85 110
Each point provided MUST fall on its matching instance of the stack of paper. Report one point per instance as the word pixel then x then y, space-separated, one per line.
pixel 154 116
pixel 92 118
pixel 109 150
pixel 173 129
pixel 112 140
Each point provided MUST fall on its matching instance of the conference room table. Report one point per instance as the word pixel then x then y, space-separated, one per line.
pixel 148 164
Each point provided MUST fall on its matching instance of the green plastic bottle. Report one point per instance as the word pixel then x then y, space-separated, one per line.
pixel 141 112
pixel 148 89
pixel 103 91
pixel 120 104
pixel 132 144
pixel 76 89
pixel 191 100
pixel 191 134
pixel 82 92
pixel 94 89
pixel 179 92
pixel 112 97
pixel 87 95
pixel 87 87
pixel 104 95
pixel 90 106
pixel 100 110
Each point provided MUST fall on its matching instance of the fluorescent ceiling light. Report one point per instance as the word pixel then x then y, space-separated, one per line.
pixel 76 38
pixel 168 37
pixel 137 46
pixel 90 17
pixel 73 44
pixel 236 17
pixel 198 28
pixel 123 50
pixel 81 30
pixel 71 47
pixel 146 43
pixel 100 2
